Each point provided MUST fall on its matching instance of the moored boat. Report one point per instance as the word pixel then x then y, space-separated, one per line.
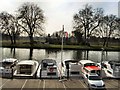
pixel 9 62
pixel 26 68
pixel 89 67
pixel 70 68
pixel 7 66
pixel 111 68
pixel 48 68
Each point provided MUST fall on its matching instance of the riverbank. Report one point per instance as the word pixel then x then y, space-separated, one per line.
pixel 65 47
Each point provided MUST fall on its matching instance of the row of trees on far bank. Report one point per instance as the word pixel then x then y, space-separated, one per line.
pixel 92 22
pixel 28 20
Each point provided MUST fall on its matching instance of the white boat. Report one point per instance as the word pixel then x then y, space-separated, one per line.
pixel 9 62
pixel 7 65
pixel 48 69
pixel 89 67
pixel 84 63
pixel 111 68
pixel 26 68
pixel 70 68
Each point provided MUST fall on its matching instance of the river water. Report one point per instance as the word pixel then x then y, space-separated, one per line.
pixel 39 54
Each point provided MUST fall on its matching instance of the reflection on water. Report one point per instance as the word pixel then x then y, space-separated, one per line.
pixel 31 53
pixel 40 54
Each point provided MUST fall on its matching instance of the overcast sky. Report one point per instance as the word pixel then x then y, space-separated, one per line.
pixel 60 12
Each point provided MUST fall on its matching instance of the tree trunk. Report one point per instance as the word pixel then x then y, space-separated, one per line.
pixel 14 38
pixel 104 43
pixel 85 34
pixel 11 38
pixel 31 40
pixel 107 42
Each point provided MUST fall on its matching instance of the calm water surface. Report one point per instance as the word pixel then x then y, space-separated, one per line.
pixel 40 54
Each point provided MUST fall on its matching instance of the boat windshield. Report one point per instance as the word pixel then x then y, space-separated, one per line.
pixel 7 62
pixel 25 69
pixel 47 62
pixel 89 64
pixel 94 78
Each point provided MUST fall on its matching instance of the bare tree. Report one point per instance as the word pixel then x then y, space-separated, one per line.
pixel 117 34
pixel 110 21
pixel 109 27
pixel 8 25
pixel 88 19
pixel 31 19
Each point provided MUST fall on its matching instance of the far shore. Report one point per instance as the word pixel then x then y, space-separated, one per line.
pixel 65 47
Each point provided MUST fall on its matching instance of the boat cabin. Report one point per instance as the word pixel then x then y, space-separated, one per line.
pixel 9 62
pixel 47 63
pixel 112 68
pixel 71 68
pixel 48 69
pixel 92 70
pixel 85 63
pixel 89 67
pixel 25 67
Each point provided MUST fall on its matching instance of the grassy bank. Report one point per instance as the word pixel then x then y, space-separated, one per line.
pixel 67 47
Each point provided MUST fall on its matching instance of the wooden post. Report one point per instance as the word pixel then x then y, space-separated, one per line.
pixel 40 73
pixel 12 73
pixel 67 67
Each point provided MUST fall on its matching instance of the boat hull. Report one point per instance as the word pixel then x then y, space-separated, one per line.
pixel 49 70
pixel 24 74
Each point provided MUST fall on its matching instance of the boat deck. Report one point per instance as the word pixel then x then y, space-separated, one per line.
pixel 51 84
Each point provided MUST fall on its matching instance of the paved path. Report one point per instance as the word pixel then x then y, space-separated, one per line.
pixel 51 84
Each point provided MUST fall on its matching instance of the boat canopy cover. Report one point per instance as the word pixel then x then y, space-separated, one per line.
pixel 92 68
pixel 71 60
pixel 26 62
pixel 48 61
pixel 85 61
pixel 9 60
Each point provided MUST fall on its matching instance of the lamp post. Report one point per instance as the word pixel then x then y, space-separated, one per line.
pixel 102 60
pixel 61 54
